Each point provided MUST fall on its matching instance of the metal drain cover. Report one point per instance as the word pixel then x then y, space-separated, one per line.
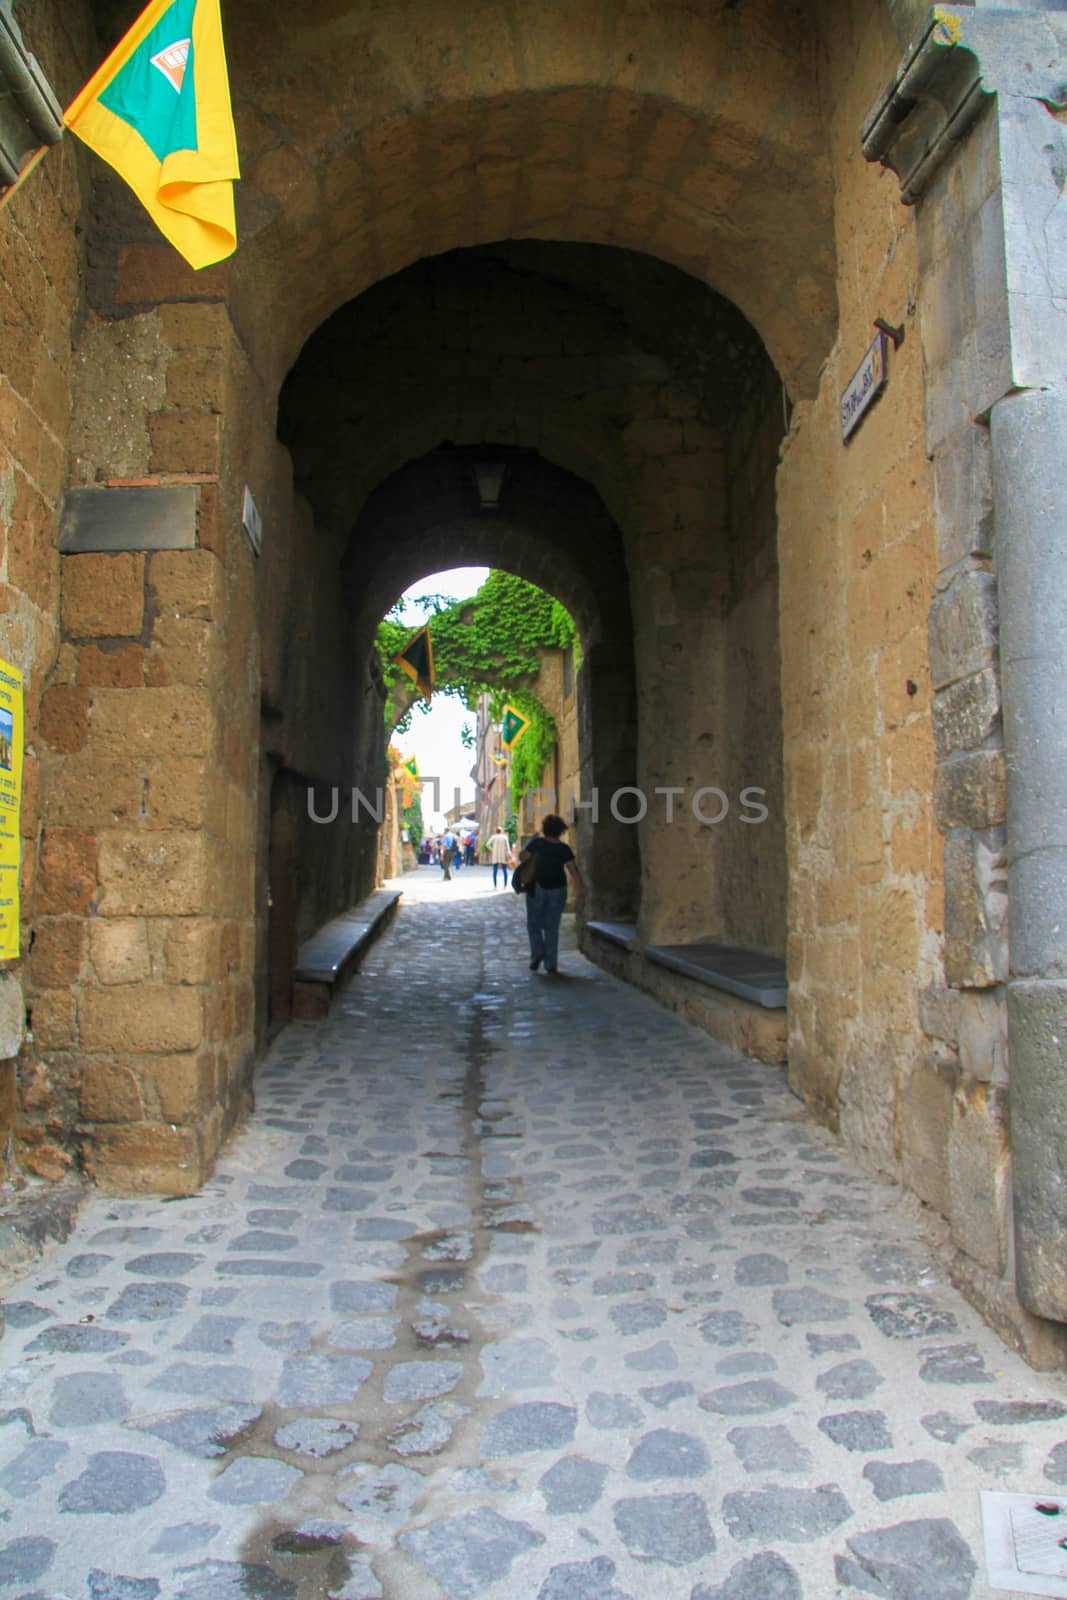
pixel 1025 1542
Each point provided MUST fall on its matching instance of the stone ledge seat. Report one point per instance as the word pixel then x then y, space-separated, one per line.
pixel 620 933
pixel 749 974
pixel 324 960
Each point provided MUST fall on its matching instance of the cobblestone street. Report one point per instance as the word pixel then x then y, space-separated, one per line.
pixel 514 1287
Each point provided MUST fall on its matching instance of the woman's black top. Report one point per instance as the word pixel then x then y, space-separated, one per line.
pixel 552 855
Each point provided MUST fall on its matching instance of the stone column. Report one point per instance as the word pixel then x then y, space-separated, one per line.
pixel 1030 486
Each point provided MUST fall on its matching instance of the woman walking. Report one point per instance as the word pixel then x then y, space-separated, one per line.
pixel 546 900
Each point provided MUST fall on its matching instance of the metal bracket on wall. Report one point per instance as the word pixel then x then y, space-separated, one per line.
pixel 896 334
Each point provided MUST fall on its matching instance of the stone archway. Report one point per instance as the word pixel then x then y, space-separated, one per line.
pixel 709 155
pixel 552 530
pixel 726 141
pixel 619 365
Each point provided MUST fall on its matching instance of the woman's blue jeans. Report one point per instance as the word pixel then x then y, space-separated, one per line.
pixel 544 909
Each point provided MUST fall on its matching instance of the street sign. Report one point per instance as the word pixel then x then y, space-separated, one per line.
pixel 864 387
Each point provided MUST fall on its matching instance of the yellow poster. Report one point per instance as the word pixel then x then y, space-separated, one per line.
pixel 10 804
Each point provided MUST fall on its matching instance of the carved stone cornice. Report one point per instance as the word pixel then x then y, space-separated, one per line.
pixel 953 67
pixel 931 103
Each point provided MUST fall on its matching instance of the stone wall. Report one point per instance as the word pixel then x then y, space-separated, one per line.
pixel 41 245
pixel 149 760
pixel 660 396
pixel 857 558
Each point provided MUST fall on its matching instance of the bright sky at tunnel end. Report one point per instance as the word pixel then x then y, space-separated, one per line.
pixel 434 735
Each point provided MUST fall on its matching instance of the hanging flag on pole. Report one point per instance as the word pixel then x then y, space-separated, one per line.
pixel 513 727
pixel 410 766
pixel 158 111
pixel 416 659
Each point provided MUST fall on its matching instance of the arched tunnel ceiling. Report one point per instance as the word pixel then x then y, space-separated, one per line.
pixel 536 344
pixel 550 528
pixel 373 135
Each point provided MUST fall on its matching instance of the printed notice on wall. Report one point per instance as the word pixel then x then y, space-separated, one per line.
pixel 10 805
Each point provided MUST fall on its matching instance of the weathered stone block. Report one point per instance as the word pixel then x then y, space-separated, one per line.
pixel 145 1158
pixel 186 794
pixel 42 1156
pixel 966 712
pixel 970 791
pixel 963 628
pixel 149 723
pixel 1038 1023
pixel 187 583
pixel 149 1018
pixel 763 1034
pixel 103 667
pixel 151 272
pixel 110 1093
pixel 926 1113
pixel 976 911
pixel 155 874
pixel 963 496
pixel 57 953
pixel 195 381
pixel 184 442
pixel 97 792
pixel 55 1019
pixel 184 650
pixel 983 1035
pixel 184 1086
pixel 187 325
pixel 311 1002
pixel 102 595
pixel 119 952
pixel 939 1014
pixel 64 720
pixel 67 877
pixel 979 1167
pixel 12 1015
pixel 212 526
pixel 192 951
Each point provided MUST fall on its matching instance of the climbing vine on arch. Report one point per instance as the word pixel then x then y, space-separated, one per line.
pixel 492 643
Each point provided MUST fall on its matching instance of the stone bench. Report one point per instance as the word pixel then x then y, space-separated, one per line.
pixel 623 934
pixel 326 959
pixel 749 974
pixel 735 994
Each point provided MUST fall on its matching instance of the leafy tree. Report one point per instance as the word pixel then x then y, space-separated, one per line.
pixel 492 643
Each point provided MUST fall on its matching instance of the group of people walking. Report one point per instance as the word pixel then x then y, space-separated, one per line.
pixel 449 850
pixel 546 895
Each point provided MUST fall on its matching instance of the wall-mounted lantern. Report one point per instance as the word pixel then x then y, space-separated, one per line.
pixel 489 476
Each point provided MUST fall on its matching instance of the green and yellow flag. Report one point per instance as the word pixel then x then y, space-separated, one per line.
pixel 410 767
pixel 416 659
pixel 158 111
pixel 512 727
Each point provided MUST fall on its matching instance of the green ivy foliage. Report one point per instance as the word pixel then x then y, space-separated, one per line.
pixel 411 819
pixel 491 643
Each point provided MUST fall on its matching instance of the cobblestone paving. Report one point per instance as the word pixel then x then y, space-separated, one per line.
pixel 512 1287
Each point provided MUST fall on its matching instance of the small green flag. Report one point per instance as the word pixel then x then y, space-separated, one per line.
pixel 513 727
pixel 416 659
